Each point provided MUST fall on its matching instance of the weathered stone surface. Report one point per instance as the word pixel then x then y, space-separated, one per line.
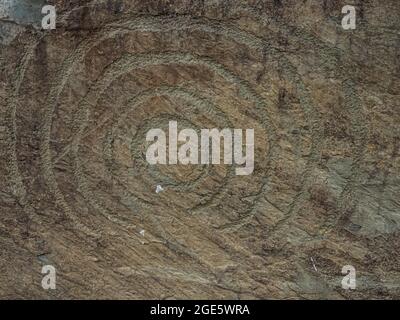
pixel 77 193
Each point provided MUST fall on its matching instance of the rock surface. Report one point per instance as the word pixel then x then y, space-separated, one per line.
pixel 77 193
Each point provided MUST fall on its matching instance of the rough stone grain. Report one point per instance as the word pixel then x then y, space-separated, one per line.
pixel 77 193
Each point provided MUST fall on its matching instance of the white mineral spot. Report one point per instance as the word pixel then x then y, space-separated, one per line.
pixel 313 263
pixel 142 232
pixel 159 189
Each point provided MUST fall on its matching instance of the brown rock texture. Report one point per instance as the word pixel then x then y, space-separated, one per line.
pixel 77 193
